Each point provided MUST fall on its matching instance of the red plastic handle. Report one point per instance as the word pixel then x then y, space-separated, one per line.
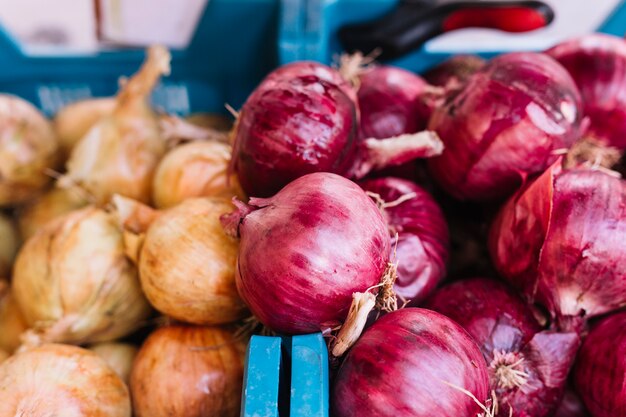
pixel 508 19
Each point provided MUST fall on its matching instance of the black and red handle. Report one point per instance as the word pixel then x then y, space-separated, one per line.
pixel 414 22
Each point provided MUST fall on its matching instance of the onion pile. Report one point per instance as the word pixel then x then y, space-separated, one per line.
pixel 201 268
pixel 600 372
pixel 561 241
pixel 28 150
pixel 506 123
pixel 120 153
pixel 421 246
pixel 597 63
pixel 411 362
pixel 61 380
pixel 188 371
pixel 306 250
pixel 12 323
pixel 119 356
pixel 527 367
pixel 9 244
pixel 197 169
pixel 455 71
pixel 74 283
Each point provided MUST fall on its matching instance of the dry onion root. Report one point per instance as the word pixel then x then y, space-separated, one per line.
pixel 188 371
pixel 28 148
pixel 47 207
pixel 186 260
pixel 74 283
pixel 119 356
pixel 73 121
pixel 196 169
pixel 12 322
pixel 9 243
pixel 61 380
pixel 120 153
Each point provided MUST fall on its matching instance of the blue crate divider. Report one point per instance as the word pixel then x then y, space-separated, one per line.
pixel 286 377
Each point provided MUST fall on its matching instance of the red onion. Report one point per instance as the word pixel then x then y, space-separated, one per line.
pixel 571 405
pixel 306 250
pixel 600 373
pixel 390 104
pixel 454 71
pixel 527 367
pixel 412 362
pixel 597 63
pixel 303 118
pixel 422 236
pixel 504 124
pixel 561 240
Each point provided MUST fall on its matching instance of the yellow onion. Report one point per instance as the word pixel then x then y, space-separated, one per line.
pixel 3 356
pixel 12 322
pixel 9 243
pixel 119 153
pixel 211 120
pixel 28 149
pixel 61 380
pixel 119 356
pixel 48 206
pixel 186 260
pixel 74 283
pixel 188 371
pixel 73 121
pixel 196 169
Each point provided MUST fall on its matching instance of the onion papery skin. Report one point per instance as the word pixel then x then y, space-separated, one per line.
pixel 61 380
pixel 561 241
pixel 600 372
pixel 504 125
pixel 9 244
pixel 421 248
pixel 119 356
pixel 201 267
pixel 390 104
pixel 74 283
pixel 197 169
pixel 402 364
pixel 511 340
pixel 571 405
pixel 597 63
pixel 12 322
pixel 297 121
pixel 188 371
pixel 28 149
pixel 454 71
pixel 304 251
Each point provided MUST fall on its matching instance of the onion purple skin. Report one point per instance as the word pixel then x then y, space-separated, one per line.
pixel 597 63
pixel 454 71
pixel 502 324
pixel 306 250
pixel 561 241
pixel 571 405
pixel 504 125
pixel 422 241
pixel 400 367
pixel 297 121
pixel 600 372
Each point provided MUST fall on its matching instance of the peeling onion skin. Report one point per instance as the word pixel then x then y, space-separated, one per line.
pixel 9 244
pixel 399 365
pixel 28 148
pixel 119 356
pixel 561 241
pixel 600 372
pixel 201 268
pixel 423 243
pixel 12 322
pixel 297 121
pixel 74 283
pixel 389 102
pixel 506 332
pixel 597 63
pixel 188 371
pixel 306 250
pixel 61 380
pixel 504 125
